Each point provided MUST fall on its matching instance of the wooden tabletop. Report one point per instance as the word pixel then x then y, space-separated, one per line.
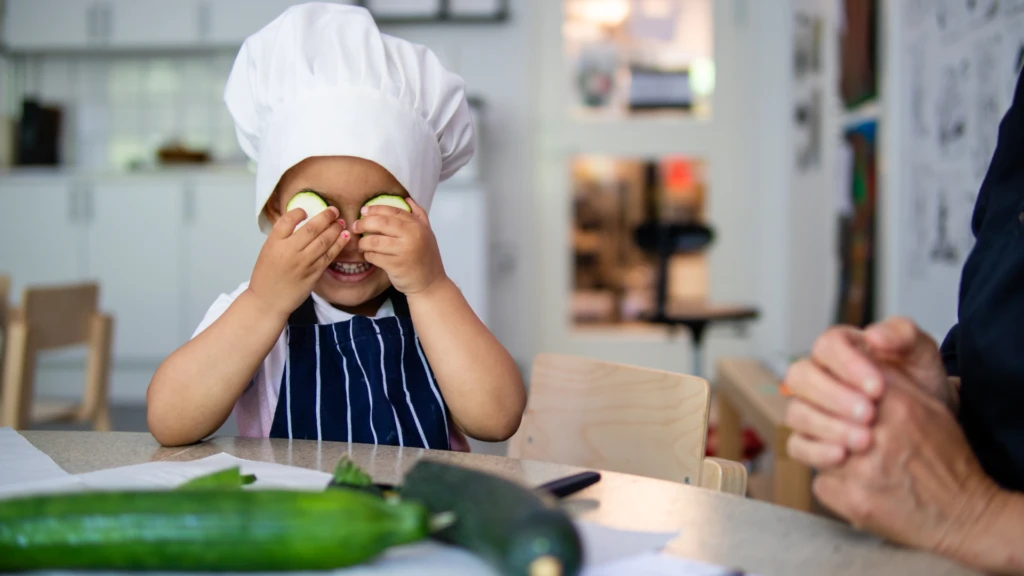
pixel 757 537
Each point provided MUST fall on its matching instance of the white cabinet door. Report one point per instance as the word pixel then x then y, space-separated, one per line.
pixel 150 23
pixel 220 243
pixel 458 217
pixel 230 22
pixel 49 24
pixel 132 244
pixel 40 231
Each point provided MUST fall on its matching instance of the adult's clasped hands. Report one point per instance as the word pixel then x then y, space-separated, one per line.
pixel 873 411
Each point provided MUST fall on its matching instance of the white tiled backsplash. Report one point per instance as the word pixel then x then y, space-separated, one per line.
pixel 118 110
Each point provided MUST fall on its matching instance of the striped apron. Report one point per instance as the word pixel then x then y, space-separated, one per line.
pixel 364 380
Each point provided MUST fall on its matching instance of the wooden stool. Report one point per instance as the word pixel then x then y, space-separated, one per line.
pixel 51 318
pixel 594 414
pixel 748 392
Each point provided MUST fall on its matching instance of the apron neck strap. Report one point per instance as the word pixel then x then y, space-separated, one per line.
pixel 305 314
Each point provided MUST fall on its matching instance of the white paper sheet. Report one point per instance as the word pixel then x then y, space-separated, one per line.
pixel 21 462
pixel 653 564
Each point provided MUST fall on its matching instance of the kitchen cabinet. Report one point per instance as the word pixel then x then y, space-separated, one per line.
pixel 458 217
pixel 41 227
pixel 229 24
pixel 49 24
pixel 132 249
pixel 149 23
pixel 220 243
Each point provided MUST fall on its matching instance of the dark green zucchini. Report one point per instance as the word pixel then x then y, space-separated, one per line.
pixel 211 530
pixel 515 529
pixel 228 479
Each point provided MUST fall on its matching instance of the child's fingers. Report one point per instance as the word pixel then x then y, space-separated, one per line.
pixel 316 226
pixel 389 225
pixel 336 248
pixel 382 261
pixel 286 224
pixel 418 212
pixel 380 244
pixel 320 245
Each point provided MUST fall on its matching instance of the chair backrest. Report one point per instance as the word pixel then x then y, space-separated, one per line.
pixel 5 294
pixel 59 316
pixel 628 419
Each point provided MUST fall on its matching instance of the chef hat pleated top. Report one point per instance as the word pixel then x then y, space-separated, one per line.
pixel 321 80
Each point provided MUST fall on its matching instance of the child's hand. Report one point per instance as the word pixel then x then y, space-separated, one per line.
pixel 401 244
pixel 291 260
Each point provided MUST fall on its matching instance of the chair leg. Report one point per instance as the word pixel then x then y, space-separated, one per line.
pixel 95 405
pixel 19 366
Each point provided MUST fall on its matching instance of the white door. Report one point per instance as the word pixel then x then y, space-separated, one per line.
pixel 49 24
pixel 458 217
pixel 132 244
pixel 150 23
pixel 220 243
pixel 40 231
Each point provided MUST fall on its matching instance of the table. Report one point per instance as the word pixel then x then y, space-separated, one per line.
pixel 757 537
pixel 696 317
pixel 749 393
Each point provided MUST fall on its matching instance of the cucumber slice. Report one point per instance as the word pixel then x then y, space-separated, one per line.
pixel 311 202
pixel 389 200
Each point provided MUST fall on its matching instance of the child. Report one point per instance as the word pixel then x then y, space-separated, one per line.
pixel 348 329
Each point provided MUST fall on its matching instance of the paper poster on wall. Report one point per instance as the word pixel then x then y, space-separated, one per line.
pixel 1011 6
pixel 1012 55
pixel 987 102
pixel 918 13
pixel 951 18
pixel 951 237
pixel 980 12
pixel 918 210
pixel 919 97
pixel 808 35
pixel 808 131
pixel 951 108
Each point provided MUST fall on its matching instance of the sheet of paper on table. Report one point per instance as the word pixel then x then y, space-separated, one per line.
pixel 26 470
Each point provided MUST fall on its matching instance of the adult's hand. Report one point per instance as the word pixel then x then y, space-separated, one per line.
pixel 920 485
pixel 837 388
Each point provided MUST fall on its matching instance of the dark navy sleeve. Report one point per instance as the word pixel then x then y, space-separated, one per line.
pixel 948 352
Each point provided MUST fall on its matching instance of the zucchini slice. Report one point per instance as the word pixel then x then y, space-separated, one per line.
pixel 389 200
pixel 309 201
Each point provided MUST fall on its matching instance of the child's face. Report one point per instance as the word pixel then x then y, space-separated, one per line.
pixel 345 183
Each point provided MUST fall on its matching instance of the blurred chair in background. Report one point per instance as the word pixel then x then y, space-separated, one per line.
pixel 594 414
pixel 51 318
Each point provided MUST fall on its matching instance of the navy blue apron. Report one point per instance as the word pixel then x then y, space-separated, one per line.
pixel 363 380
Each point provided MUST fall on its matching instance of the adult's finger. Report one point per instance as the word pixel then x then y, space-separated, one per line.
pixel 316 226
pixel 381 244
pixel 389 225
pixel 807 420
pixel 321 245
pixel 813 384
pixel 813 453
pixel 901 340
pixel 286 224
pixel 843 352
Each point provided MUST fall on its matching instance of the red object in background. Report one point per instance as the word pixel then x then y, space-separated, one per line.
pixel 752 444
pixel 678 174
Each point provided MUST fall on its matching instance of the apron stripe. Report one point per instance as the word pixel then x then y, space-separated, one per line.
pixel 384 378
pixel 433 387
pixel 316 333
pixel 369 392
pixel 288 388
pixel 344 369
pixel 408 397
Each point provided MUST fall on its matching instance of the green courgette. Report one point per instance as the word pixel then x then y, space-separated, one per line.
pixel 518 531
pixel 310 202
pixel 388 200
pixel 229 479
pixel 213 530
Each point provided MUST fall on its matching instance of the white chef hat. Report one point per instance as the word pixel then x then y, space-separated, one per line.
pixel 321 80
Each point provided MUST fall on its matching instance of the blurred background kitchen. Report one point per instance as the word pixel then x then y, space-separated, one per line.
pixel 651 174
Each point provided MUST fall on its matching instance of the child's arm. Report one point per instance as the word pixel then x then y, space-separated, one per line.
pixel 194 389
pixel 479 379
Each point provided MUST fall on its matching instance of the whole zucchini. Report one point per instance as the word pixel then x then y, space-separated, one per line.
pixel 214 530
pixel 513 528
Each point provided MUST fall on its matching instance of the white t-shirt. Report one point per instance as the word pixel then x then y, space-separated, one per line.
pixel 254 411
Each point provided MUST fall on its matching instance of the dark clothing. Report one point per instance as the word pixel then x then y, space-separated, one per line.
pixel 364 380
pixel 986 347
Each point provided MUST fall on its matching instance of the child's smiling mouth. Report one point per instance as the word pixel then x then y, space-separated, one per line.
pixel 350 272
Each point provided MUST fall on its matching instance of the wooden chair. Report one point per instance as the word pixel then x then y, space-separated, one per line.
pixel 5 290
pixel 51 318
pixel 595 414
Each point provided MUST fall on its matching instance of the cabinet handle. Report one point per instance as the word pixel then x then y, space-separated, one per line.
pixel 107 22
pixel 88 208
pixel 73 205
pixel 204 21
pixel 188 211
pixel 90 23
